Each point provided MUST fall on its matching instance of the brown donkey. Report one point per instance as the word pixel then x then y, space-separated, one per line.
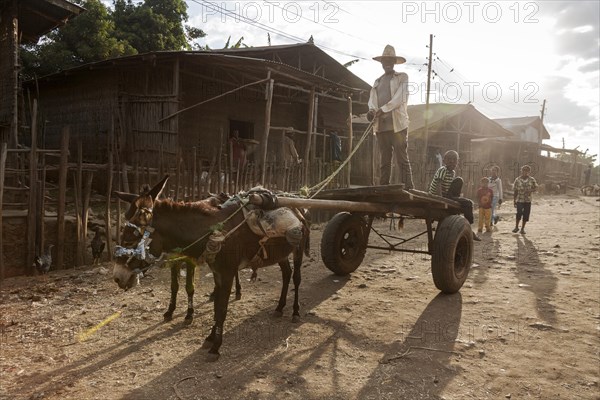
pixel 188 228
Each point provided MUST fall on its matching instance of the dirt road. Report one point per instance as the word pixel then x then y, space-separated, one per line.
pixel 526 324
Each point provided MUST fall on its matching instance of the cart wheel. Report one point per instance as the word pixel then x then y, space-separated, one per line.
pixel 344 243
pixel 452 253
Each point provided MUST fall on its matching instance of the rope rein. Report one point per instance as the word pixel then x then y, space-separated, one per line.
pixel 214 228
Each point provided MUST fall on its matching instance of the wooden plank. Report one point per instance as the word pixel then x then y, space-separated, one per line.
pixel 342 205
pixel 394 194
pixel 367 207
pixel 384 192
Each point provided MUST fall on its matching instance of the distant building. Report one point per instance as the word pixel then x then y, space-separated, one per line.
pixel 526 129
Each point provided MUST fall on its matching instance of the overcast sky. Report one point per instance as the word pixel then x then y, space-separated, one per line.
pixel 505 57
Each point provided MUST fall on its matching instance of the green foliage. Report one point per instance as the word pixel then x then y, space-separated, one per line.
pixel 154 25
pixel 89 37
pixel 100 33
pixel 237 44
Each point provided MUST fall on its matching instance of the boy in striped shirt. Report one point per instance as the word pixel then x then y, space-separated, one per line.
pixel 446 184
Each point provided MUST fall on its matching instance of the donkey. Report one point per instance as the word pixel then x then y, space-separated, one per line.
pixel 190 225
pixel 156 250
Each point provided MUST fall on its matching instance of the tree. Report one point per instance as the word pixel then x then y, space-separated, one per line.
pixel 98 34
pixel 87 38
pixel 237 44
pixel 154 25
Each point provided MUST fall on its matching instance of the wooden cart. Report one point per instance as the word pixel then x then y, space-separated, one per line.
pixel 346 236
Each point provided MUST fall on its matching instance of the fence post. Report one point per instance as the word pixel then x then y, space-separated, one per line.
pixel 3 152
pixel 31 222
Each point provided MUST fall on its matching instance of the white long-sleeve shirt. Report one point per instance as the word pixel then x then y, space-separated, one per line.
pixel 397 105
pixel 496 186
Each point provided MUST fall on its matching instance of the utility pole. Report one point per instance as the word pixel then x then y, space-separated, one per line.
pixel 541 132
pixel 426 132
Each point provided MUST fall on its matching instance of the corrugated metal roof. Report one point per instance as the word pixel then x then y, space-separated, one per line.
pixel 546 147
pixel 235 60
pixel 518 125
pixel 286 53
pixel 38 17
pixel 440 111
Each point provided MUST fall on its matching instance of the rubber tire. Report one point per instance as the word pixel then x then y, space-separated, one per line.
pixel 344 243
pixel 452 253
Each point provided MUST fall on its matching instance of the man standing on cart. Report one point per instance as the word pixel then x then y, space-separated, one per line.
pixel 388 107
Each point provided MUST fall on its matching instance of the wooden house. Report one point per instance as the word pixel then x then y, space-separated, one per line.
pixel 166 108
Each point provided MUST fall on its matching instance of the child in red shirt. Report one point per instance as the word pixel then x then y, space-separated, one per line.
pixel 485 195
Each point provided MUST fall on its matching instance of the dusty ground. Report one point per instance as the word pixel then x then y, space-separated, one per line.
pixel 526 324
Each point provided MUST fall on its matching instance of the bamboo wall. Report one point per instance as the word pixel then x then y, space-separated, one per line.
pixel 7 73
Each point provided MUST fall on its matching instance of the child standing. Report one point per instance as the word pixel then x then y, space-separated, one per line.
pixel 485 195
pixel 496 186
pixel 524 186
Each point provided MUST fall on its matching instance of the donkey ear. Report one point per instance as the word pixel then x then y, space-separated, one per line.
pixel 128 197
pixel 158 188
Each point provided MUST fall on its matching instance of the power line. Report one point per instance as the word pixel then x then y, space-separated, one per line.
pixel 264 27
pixel 320 24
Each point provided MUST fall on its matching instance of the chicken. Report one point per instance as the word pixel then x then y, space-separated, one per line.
pixel 43 263
pixel 97 245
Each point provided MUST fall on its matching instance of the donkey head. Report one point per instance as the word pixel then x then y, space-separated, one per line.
pixel 131 255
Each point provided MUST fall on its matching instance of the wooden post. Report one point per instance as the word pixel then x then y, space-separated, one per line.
pixel 162 165
pixel 125 177
pixel 219 155
pixel 374 154
pixel 350 140
pixel 147 165
pixel 314 135
pixel 89 175
pixel 14 42
pixel 427 116
pixel 177 173
pixel 3 153
pixel 31 215
pixel 209 176
pixel 136 177
pixel 42 207
pixel 265 136
pixel 311 113
pixel 194 175
pixel 78 200
pixel 109 177
pixel 62 197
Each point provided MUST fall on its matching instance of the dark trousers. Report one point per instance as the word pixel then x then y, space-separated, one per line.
pixel 394 143
pixel 523 211
pixel 465 204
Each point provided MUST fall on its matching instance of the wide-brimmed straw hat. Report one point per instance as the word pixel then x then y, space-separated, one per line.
pixel 390 53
